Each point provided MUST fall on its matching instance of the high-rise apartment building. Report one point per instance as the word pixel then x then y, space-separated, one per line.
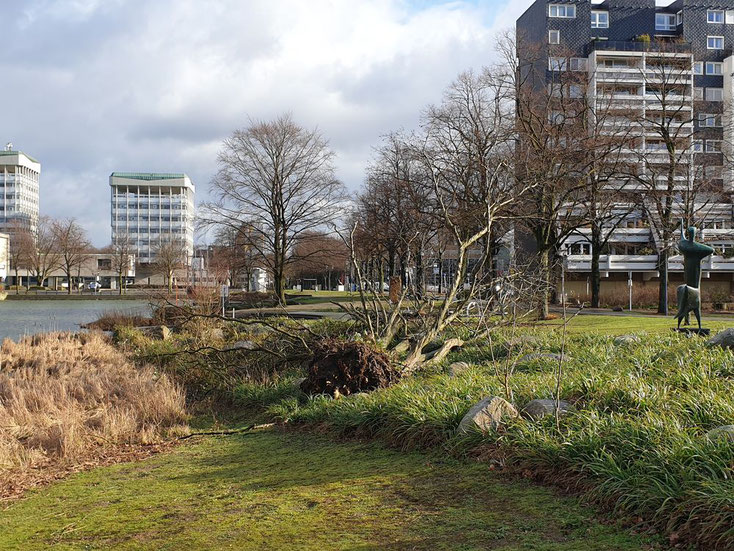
pixel 19 178
pixel 650 63
pixel 4 256
pixel 150 209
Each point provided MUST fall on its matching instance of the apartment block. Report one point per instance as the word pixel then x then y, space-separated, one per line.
pixel 4 256
pixel 150 209
pixel 19 189
pixel 634 52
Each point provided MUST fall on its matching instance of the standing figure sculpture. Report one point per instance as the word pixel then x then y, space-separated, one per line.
pixel 689 294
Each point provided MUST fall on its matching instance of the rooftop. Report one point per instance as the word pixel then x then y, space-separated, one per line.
pixel 148 176
pixel 6 153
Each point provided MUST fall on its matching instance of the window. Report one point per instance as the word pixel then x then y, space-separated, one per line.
pixel 708 120
pixel 697 146
pixel 578 63
pixel 714 68
pixel 566 11
pixel 713 146
pixel 554 37
pixel 665 22
pixel 729 17
pixel 715 16
pixel 599 19
pixel 557 63
pixel 698 67
pixel 698 94
pixel 715 42
pixel 679 17
pixel 714 94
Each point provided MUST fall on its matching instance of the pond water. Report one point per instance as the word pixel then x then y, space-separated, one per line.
pixel 28 317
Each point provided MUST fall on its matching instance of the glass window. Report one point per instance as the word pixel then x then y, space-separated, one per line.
pixel 557 63
pixel 665 22
pixel 698 67
pixel 713 146
pixel 599 19
pixel 715 42
pixel 578 63
pixel 714 94
pixel 698 94
pixel 729 17
pixel 567 11
pixel 697 146
pixel 554 37
pixel 714 68
pixel 709 120
pixel 715 16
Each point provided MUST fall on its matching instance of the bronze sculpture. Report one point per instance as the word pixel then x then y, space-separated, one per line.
pixel 689 294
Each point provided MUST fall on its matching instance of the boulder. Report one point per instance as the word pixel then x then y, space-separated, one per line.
pixel 624 340
pixel 724 432
pixel 155 331
pixel 457 368
pixel 244 345
pixel 487 415
pixel 724 339
pixel 542 356
pixel 539 408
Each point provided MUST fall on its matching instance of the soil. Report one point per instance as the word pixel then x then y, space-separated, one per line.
pixel 345 367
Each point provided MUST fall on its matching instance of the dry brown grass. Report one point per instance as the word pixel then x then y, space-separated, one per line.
pixel 66 399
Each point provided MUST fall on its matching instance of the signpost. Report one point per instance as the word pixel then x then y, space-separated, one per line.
pixel 225 296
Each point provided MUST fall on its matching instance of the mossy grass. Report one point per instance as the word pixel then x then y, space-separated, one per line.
pixel 278 490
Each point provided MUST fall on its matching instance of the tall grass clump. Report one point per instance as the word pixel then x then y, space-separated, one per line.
pixel 65 399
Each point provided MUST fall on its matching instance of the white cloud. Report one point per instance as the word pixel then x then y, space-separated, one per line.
pixel 137 85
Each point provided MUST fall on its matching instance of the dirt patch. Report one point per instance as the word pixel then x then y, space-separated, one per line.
pixel 345 367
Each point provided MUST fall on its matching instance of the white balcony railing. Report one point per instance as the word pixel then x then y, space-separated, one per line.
pixel 643 263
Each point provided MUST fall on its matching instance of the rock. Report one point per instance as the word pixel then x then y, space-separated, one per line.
pixel 457 368
pixel 624 340
pixel 542 356
pixel 724 432
pixel 487 415
pixel 539 408
pixel 155 331
pixel 724 339
pixel 244 345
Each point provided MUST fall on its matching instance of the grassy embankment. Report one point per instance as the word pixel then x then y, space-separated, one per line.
pixel 636 443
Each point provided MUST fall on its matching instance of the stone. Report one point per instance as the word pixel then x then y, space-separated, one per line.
pixel 244 345
pixel 487 415
pixel 624 340
pixel 542 356
pixel 161 332
pixel 539 408
pixel 724 432
pixel 457 368
pixel 724 339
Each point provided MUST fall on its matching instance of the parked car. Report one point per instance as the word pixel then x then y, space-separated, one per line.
pixel 94 286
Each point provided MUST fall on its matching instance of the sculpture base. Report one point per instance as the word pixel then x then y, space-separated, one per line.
pixel 692 331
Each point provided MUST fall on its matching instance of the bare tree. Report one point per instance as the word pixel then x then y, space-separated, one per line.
pixel 72 245
pixel 44 256
pixel 21 249
pixel 122 254
pixel 278 177
pixel 170 255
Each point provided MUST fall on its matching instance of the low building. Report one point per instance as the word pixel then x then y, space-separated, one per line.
pixel 96 267
pixel 4 256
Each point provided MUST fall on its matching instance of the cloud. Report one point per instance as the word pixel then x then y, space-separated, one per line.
pixel 96 86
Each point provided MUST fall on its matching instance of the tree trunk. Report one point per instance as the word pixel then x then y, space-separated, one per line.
pixel 544 295
pixel 662 267
pixel 595 275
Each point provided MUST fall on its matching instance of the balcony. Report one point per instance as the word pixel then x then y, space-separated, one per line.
pixel 644 263
pixel 638 46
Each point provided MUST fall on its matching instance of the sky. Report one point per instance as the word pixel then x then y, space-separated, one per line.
pixel 90 87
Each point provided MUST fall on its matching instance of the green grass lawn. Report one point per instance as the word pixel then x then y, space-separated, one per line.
pixel 276 490
pixel 619 325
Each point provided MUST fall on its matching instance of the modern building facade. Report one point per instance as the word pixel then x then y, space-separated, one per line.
pixel 102 268
pixel 633 52
pixel 19 189
pixel 4 256
pixel 150 209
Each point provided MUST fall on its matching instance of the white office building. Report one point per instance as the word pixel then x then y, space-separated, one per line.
pixel 150 209
pixel 19 178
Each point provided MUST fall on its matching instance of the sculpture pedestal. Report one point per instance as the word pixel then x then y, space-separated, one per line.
pixel 692 331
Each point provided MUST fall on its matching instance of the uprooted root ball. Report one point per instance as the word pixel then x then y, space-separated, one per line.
pixel 344 367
